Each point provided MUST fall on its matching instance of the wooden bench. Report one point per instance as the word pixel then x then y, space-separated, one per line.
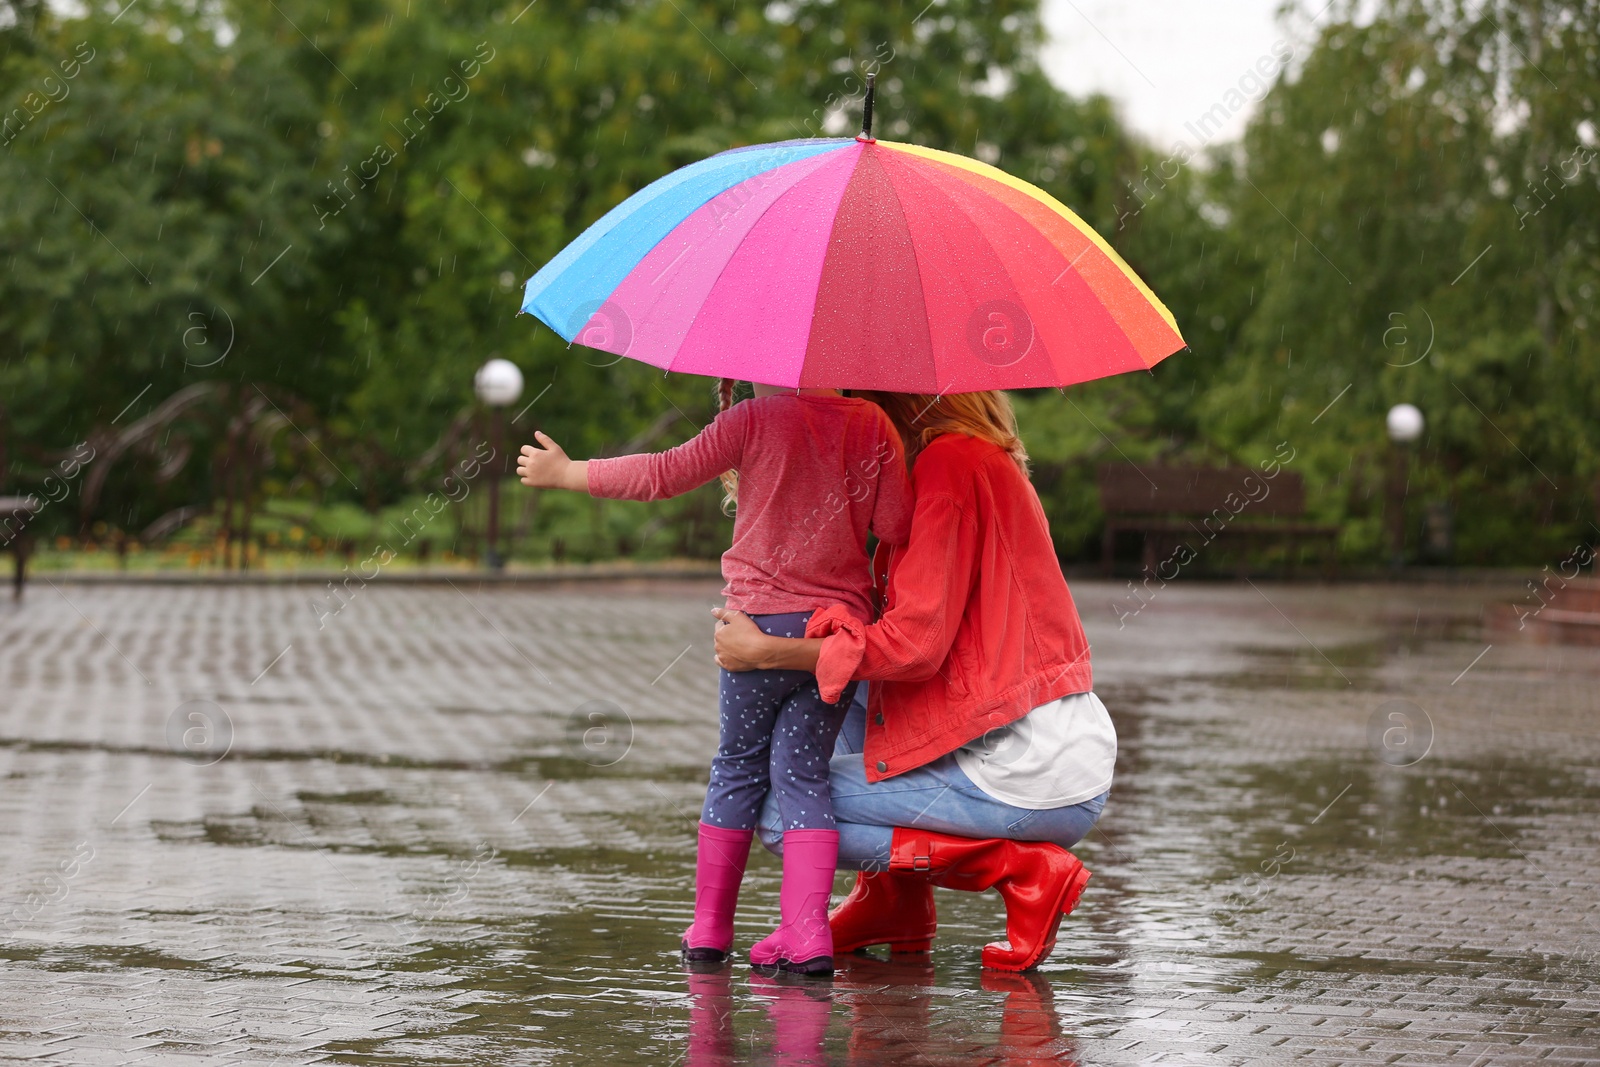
pixel 1555 610
pixel 1173 506
pixel 16 512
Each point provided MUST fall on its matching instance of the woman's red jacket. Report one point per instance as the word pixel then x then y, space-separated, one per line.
pixel 978 627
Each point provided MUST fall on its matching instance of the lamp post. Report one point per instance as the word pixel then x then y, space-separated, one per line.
pixel 498 383
pixel 1405 425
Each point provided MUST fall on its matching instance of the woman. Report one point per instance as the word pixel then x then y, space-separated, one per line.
pixel 981 754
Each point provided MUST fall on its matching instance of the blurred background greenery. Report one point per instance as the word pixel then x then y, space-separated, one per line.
pixel 251 263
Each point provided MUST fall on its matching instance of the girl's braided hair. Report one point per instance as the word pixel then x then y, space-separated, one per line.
pixel 730 479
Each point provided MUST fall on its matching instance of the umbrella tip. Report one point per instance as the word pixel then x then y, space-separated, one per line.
pixel 865 135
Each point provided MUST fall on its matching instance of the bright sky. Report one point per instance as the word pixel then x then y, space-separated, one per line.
pixel 1166 62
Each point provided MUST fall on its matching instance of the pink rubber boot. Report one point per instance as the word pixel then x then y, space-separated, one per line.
pixel 719 868
pixel 802 943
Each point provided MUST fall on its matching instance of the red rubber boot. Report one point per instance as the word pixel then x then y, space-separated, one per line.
pixel 1039 882
pixel 885 909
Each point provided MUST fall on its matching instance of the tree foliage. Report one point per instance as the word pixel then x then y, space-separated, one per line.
pixel 323 212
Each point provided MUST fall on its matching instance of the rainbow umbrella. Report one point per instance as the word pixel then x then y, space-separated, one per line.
pixel 854 263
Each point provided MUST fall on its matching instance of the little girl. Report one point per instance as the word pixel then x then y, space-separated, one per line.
pixel 812 472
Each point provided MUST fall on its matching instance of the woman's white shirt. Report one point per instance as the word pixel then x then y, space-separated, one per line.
pixel 1059 754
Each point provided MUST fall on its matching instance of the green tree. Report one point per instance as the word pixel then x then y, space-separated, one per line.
pixel 1421 205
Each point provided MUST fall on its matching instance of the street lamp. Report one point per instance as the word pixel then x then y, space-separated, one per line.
pixel 1405 421
pixel 498 383
pixel 1405 425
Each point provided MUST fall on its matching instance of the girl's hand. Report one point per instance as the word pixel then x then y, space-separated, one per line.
pixel 549 467
pixel 741 645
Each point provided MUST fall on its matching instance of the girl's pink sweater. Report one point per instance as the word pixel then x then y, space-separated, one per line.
pixel 815 473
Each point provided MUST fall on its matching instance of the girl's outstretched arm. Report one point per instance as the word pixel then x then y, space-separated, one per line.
pixel 549 467
pixel 659 475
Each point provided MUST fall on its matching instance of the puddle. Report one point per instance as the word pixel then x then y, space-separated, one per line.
pixel 1269 966
pixel 532 995
pixel 1479 809
pixel 358 798
pixel 97 957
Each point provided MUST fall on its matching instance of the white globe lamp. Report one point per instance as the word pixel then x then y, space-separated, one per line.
pixel 1405 423
pixel 498 383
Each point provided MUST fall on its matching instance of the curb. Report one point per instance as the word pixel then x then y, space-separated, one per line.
pixel 610 572
pixel 1465 576
pixel 600 573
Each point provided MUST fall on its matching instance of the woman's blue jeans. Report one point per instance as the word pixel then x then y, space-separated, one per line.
pixel 937 796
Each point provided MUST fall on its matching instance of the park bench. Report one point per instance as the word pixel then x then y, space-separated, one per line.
pixel 1172 506
pixel 15 514
pixel 1554 610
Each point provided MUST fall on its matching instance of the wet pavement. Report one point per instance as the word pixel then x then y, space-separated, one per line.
pixel 455 825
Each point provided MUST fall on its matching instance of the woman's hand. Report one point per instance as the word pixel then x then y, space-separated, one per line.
pixel 741 646
pixel 550 468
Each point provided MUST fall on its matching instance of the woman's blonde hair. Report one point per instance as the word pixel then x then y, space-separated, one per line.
pixel 920 417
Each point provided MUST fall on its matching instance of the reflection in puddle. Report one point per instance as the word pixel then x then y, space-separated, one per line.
pixel 886 1010
pixel 874 1011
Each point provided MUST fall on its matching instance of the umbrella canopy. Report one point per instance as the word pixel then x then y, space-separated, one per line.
pixel 854 263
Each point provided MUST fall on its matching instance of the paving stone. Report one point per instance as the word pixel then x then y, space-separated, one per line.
pixel 457 825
